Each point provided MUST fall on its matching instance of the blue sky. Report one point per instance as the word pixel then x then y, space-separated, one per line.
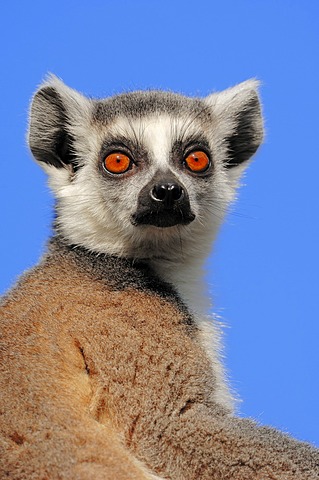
pixel 263 272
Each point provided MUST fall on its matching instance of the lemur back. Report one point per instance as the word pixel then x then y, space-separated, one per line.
pixel 110 366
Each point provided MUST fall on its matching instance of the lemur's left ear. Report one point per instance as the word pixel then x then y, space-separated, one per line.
pixel 58 116
pixel 239 118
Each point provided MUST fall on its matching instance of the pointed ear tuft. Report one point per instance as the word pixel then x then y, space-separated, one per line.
pixel 239 111
pixel 54 109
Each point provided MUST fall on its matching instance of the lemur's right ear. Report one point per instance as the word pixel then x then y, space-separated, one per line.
pixel 58 116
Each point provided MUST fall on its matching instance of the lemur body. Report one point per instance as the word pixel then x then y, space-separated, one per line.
pixel 110 368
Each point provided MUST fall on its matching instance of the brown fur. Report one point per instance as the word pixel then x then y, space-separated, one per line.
pixel 103 378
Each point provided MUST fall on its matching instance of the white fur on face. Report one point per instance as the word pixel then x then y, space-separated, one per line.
pixel 96 213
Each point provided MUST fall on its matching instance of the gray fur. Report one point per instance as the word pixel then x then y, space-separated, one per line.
pixel 141 103
pixel 52 114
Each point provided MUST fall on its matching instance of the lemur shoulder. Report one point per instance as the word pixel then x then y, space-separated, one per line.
pixel 110 367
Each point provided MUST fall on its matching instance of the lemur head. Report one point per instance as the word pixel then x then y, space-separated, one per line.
pixel 144 174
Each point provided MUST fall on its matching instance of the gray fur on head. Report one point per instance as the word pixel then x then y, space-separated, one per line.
pixel 57 111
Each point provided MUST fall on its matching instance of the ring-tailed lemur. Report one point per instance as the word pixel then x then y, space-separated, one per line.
pixel 109 367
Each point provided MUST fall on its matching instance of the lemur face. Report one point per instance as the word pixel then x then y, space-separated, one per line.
pixel 140 174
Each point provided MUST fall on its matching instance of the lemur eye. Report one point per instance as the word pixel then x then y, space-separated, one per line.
pixel 197 161
pixel 117 162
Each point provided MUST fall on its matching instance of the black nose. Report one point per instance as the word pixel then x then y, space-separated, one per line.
pixel 167 193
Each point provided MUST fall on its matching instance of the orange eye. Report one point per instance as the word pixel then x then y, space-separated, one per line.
pixel 197 161
pixel 117 163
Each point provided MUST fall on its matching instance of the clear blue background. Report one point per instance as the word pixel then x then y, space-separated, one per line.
pixel 263 273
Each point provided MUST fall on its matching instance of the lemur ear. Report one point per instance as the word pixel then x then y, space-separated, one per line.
pixel 56 116
pixel 238 112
